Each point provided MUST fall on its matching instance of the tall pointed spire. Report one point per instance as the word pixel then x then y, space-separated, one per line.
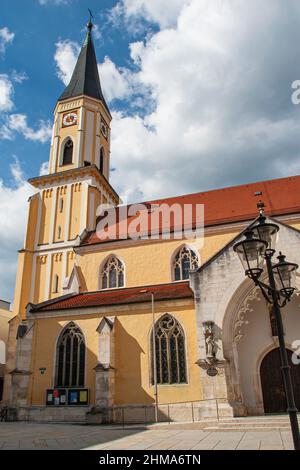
pixel 85 79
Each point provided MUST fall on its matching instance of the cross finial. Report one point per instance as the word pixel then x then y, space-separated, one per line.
pixel 261 207
pixel 90 24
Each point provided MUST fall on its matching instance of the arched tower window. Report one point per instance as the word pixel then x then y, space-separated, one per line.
pixel 169 351
pixel 112 274
pixel 70 357
pixel 185 260
pixel 68 152
pixel 101 163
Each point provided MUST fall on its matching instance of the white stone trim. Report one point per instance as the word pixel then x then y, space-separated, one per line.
pixel 52 219
pixel 64 267
pixel 38 224
pixel 80 123
pixel 68 212
pixel 33 273
pixel 47 247
pixel 83 209
pixel 54 154
pixel 48 277
pixel 80 137
pixel 91 209
pixel 27 220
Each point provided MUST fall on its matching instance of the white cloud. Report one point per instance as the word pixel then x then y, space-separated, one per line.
pixel 223 113
pixel 155 11
pixel 44 170
pixel 6 93
pixel 13 201
pixel 6 38
pixel 116 82
pixel 216 99
pixel 65 57
pixel 19 77
pixel 54 2
pixel 17 123
pixel 96 32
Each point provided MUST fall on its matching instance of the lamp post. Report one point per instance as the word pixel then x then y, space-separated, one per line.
pixel 153 353
pixel 256 249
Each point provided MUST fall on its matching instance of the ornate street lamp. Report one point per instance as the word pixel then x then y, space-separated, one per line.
pixel 251 253
pixel 255 251
pixel 285 276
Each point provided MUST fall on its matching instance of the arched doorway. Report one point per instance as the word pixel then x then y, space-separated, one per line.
pixel 272 382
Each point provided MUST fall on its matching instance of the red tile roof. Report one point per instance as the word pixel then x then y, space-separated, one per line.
pixel 227 205
pixel 123 296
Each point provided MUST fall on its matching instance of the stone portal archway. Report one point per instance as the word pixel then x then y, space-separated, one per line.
pixel 247 340
pixel 272 383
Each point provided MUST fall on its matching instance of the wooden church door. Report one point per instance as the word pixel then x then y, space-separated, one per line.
pixel 272 382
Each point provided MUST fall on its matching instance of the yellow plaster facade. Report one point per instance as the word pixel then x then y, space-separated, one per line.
pixel 131 342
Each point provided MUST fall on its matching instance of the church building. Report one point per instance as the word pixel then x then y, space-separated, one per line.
pixel 144 328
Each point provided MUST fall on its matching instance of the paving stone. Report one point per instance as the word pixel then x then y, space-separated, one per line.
pixel 65 436
pixel 253 444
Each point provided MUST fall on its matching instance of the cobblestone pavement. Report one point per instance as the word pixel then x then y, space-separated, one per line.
pixel 66 436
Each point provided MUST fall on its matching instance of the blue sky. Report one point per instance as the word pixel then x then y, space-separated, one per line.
pixel 37 29
pixel 199 91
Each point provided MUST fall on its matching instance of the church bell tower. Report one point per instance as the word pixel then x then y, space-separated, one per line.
pixel 81 131
pixel 67 198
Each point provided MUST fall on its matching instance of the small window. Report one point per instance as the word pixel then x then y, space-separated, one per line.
pixel 185 261
pixel 61 205
pixel 68 152
pixel 59 232
pixel 112 275
pixel 55 284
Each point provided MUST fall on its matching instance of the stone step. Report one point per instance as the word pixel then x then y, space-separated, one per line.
pixel 250 428
pixel 253 423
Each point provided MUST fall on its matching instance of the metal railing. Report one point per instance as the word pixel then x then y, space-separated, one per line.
pixel 121 414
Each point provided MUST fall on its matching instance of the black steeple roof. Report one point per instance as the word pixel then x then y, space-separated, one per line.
pixel 85 79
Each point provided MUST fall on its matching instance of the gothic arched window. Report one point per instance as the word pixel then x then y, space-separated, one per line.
pixel 185 260
pixel 112 274
pixel 68 153
pixel 70 357
pixel 101 164
pixel 169 351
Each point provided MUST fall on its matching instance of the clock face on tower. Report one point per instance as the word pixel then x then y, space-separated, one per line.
pixel 104 130
pixel 70 119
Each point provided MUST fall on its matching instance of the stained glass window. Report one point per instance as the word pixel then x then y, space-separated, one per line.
pixel 184 261
pixel 169 351
pixel 112 275
pixel 70 357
